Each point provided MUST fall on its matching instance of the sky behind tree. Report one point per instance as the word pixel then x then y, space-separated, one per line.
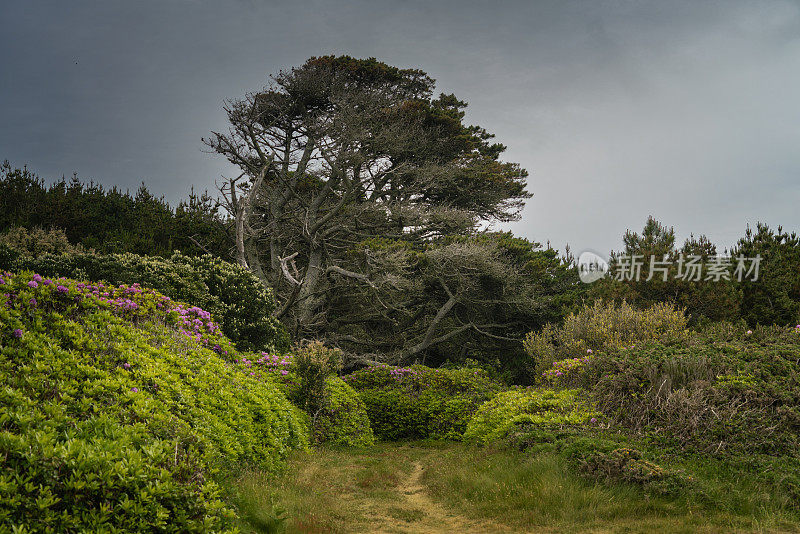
pixel 687 111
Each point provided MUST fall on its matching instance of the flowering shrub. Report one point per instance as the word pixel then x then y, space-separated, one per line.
pixel 421 402
pixel 565 371
pixel 116 417
pixel 234 297
pixel 542 407
pixel 603 327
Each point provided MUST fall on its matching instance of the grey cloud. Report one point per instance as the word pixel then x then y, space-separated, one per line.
pixel 683 110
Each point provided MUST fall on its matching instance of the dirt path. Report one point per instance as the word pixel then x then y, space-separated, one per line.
pixel 415 512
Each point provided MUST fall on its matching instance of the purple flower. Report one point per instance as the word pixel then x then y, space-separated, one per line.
pixel 135 390
pixel 32 302
pixel 33 283
pixel 588 351
pixel 126 365
pixel 284 372
pixel 592 420
pixel 37 278
pixel 18 333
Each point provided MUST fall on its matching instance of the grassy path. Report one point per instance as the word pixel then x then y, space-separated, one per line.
pixel 452 488
pixel 416 512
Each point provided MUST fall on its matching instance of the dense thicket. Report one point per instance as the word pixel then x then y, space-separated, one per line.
pixel 421 402
pixel 110 220
pixel 119 409
pixel 232 294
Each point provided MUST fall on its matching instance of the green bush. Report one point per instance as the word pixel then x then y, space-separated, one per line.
pixel 607 461
pixel 314 363
pixel 342 419
pixel 602 327
pixel 716 391
pixel 116 417
pixel 336 413
pixel 233 295
pixel 38 242
pixel 421 402
pixel 546 408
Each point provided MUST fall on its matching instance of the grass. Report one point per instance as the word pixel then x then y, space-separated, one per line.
pixel 441 487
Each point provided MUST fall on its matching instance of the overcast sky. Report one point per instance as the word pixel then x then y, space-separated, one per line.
pixel 689 111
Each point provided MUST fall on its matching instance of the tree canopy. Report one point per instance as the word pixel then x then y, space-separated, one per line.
pixel 354 174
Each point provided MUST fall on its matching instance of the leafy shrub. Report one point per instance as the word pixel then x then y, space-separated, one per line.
pixel 342 418
pixel 605 461
pixel 115 415
pixel 231 293
pixel 712 392
pixel 543 407
pixel 420 402
pixel 337 414
pixel 314 363
pixel 600 327
pixel 37 242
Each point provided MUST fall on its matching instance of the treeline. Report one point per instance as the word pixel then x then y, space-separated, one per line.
pixel 110 220
pixel 504 281
pixel 766 292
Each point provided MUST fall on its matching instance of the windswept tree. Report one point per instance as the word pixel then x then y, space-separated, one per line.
pixel 353 176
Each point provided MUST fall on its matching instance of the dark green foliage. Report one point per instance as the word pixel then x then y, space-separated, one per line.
pixel 336 413
pixel 723 390
pixel 451 299
pixel 109 220
pixel 775 297
pixel 420 402
pixel 233 295
pixel 313 364
pixel 114 417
